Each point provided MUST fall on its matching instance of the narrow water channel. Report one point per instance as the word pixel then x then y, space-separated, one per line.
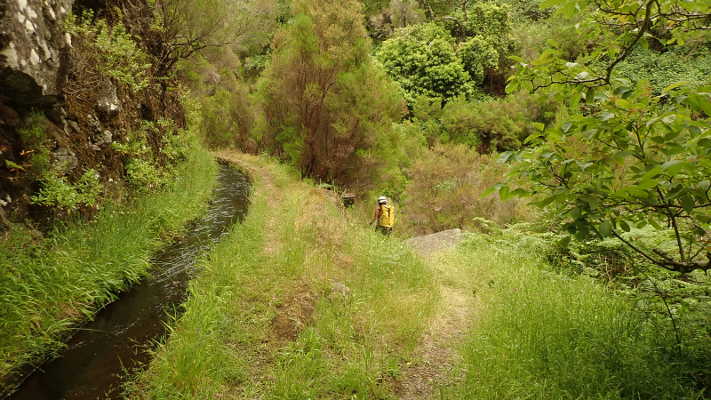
pixel 99 354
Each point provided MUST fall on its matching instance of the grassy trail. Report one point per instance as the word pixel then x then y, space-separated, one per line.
pixel 303 301
pixel 437 360
pixel 300 301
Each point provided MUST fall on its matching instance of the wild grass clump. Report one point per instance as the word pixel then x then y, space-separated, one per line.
pixel 546 335
pixel 297 302
pixel 48 286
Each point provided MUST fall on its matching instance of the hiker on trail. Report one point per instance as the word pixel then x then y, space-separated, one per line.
pixel 384 216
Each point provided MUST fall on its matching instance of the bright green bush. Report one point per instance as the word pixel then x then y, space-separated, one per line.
pixel 478 55
pixel 143 176
pixel 424 61
pixel 487 20
pixel 57 192
pixel 116 53
pixel 664 69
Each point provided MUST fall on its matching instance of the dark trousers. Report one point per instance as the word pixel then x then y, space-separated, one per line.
pixel 385 230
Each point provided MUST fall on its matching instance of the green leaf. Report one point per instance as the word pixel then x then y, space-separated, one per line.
pixel 687 202
pixel 624 225
pixel 605 228
pixel 700 101
pixel 565 242
pixel 12 165
pixel 672 167
pixel 546 201
pixel 505 156
pixel 491 190
pixel 674 86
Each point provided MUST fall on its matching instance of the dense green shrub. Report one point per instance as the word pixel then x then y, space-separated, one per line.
pixel 395 151
pixel 143 176
pixel 487 20
pixel 151 165
pixel 478 55
pixel 56 191
pixel 489 125
pixel 424 61
pixel 112 48
pixel 664 69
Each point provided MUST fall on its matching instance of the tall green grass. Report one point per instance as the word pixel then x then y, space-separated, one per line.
pixel 545 335
pixel 277 269
pixel 46 287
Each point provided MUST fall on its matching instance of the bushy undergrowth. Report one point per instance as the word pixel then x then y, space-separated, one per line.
pixel 665 69
pixel 297 302
pixel 446 188
pixel 111 50
pixel 57 192
pixel 542 334
pixel 47 286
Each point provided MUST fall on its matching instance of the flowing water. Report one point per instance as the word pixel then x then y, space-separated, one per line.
pixel 97 357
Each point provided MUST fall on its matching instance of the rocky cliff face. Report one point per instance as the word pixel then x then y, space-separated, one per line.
pixel 62 112
pixel 33 47
pixel 33 64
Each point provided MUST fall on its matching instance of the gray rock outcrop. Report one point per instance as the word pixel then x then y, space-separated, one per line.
pixel 435 242
pixel 32 45
pixel 108 104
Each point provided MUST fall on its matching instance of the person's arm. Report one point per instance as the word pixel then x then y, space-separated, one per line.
pixel 376 214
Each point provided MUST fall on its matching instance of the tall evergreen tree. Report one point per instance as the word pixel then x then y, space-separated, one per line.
pixel 326 102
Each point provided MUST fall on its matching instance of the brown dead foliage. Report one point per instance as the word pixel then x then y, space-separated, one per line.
pixel 294 313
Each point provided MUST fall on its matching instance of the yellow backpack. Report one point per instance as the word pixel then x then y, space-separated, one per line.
pixel 387 216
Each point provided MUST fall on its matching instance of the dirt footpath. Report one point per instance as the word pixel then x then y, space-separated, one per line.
pixel 435 359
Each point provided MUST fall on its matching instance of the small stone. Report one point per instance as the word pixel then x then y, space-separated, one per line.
pixel 74 125
pixel 34 58
pixel 339 289
pixel 108 104
pixel 31 13
pixel 94 123
pixel 94 147
pixel 65 160
pixel 105 138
